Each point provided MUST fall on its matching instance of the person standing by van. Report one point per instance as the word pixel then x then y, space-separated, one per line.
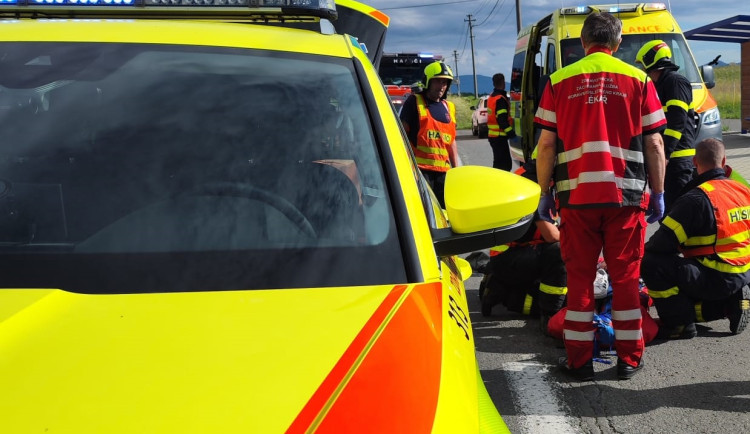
pixel 600 119
pixel 499 124
pixel 430 124
pixel 676 95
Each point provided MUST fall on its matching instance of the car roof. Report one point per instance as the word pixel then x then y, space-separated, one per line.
pixel 180 33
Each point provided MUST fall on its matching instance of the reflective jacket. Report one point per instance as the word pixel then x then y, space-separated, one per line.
pixel 729 249
pixel 434 138
pixel 600 107
pixel 499 122
pixel 676 95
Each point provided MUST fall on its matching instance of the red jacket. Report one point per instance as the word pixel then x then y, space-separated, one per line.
pixel 600 107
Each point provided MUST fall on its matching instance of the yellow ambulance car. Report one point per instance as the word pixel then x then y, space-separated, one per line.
pixel 211 221
pixel 555 41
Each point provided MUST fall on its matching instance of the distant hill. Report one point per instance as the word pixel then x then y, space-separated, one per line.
pixel 484 84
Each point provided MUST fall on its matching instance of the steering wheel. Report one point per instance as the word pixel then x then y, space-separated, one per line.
pixel 249 191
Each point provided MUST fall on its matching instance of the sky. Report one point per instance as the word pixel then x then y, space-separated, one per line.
pixel 441 27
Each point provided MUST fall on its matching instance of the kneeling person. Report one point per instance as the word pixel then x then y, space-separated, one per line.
pixel 697 264
pixel 528 275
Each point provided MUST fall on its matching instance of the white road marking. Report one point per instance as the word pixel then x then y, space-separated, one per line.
pixel 536 399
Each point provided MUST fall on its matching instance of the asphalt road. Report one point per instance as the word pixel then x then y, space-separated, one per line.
pixel 692 386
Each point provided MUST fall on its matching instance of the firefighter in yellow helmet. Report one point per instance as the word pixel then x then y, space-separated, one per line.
pixel 676 96
pixel 430 124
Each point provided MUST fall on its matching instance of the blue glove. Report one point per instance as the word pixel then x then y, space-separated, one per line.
pixel 655 209
pixel 546 208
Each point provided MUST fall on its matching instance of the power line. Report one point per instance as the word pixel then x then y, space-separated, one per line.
pixel 481 6
pixel 426 5
pixel 498 28
pixel 492 12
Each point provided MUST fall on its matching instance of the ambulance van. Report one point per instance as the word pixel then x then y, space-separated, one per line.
pixel 555 42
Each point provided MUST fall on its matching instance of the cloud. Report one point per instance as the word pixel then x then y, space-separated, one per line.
pixel 442 27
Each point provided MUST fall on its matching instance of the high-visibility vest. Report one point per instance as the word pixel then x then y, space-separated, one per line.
pixel 493 128
pixel 731 244
pixel 434 138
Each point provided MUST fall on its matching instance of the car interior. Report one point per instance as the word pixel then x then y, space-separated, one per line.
pixel 138 149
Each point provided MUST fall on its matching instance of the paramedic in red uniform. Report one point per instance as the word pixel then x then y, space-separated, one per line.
pixel 601 120
pixel 499 124
pixel 430 124
pixel 697 264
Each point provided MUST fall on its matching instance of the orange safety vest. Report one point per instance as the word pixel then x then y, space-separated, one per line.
pixel 493 128
pixel 731 203
pixel 434 138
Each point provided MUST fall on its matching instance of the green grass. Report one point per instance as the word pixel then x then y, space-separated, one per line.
pixel 727 91
pixel 463 112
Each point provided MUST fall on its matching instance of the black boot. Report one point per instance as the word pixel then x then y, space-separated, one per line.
pixel 683 331
pixel 739 311
pixel 625 371
pixel 581 373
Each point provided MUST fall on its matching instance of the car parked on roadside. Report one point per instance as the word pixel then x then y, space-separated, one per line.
pixel 479 118
pixel 211 221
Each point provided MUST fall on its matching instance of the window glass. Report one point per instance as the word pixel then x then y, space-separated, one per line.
pixel 516 74
pixel 179 168
pixel 572 50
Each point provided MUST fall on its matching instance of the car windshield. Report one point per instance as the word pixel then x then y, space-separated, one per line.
pixel 146 167
pixel 572 51
pixel 401 74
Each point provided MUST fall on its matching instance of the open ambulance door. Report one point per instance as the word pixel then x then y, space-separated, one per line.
pixel 529 91
pixel 365 23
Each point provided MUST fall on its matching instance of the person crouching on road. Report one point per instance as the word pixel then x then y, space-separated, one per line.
pixel 499 124
pixel 430 124
pixel 697 264
pixel 527 275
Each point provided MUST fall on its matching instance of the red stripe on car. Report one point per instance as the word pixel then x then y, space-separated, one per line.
pixel 398 378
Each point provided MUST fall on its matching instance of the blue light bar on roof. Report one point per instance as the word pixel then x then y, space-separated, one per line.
pixel 578 10
pixel 649 7
pixel 197 2
pixel 323 7
pixel 82 2
pixel 622 8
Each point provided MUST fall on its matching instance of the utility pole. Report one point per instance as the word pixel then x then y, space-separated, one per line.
pixel 473 67
pixel 457 80
pixel 518 16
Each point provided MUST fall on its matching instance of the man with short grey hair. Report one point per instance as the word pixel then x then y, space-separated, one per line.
pixel 600 119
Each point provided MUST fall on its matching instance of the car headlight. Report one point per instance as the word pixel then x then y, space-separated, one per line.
pixel 711 116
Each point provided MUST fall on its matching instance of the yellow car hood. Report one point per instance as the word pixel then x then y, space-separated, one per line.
pixel 260 361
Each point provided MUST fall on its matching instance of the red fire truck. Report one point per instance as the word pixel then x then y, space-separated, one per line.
pixel 402 73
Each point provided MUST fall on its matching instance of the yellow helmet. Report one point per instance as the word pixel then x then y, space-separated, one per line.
pixel 654 54
pixel 437 69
